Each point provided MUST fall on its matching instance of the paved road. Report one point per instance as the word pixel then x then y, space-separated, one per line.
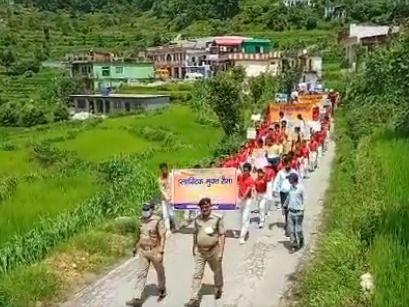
pixel 256 274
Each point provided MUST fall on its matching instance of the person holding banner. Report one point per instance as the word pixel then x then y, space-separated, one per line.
pixel 165 190
pixel 208 247
pixel 246 186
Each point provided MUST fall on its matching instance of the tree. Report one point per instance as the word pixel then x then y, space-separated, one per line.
pixel 7 58
pixel 61 112
pixel 62 88
pixel 263 88
pixel 224 98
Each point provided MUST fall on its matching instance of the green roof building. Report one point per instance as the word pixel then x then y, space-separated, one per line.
pixel 257 45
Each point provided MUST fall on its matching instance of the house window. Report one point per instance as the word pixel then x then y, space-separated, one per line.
pixel 84 70
pixel 81 103
pixel 106 71
pixel 119 70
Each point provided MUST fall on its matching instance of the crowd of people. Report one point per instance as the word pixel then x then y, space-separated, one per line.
pixel 274 164
pixel 271 168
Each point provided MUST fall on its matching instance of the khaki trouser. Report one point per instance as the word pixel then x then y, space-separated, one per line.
pixel 212 258
pixel 144 259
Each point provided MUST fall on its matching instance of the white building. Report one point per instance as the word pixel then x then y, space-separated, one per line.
pixel 295 2
pixel 369 36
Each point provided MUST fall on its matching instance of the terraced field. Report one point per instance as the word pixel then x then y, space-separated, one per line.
pixel 47 190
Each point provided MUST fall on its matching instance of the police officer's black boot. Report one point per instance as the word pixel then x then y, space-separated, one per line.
pixel 162 294
pixel 135 302
pixel 218 294
pixel 193 303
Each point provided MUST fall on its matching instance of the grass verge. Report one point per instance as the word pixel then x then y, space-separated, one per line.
pixel 365 228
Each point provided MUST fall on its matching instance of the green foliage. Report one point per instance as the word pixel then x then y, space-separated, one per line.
pixel 61 112
pixel 263 88
pixel 7 188
pixel 7 58
pixel 46 154
pixel 223 96
pixel 38 282
pixel 377 95
pixel 32 115
pixel 9 114
pixel 228 145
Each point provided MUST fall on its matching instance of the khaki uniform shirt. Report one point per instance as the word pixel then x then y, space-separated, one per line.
pixel 208 231
pixel 152 230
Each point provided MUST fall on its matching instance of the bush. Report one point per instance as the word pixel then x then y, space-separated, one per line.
pixel 61 113
pixel 311 23
pixel 32 115
pixel 9 114
pixel 228 145
pixel 47 155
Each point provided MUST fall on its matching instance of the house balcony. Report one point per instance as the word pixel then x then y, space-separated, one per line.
pixel 254 56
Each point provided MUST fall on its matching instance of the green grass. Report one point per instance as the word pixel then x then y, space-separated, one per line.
pixel 42 198
pixel 103 141
pixel 366 229
pixel 100 144
pixel 389 254
pixel 15 163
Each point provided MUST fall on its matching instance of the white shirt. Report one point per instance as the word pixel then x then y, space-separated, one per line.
pixel 281 183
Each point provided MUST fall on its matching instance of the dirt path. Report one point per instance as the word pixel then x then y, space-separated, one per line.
pixel 256 274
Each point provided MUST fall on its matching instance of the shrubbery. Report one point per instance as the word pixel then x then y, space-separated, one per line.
pixel 128 185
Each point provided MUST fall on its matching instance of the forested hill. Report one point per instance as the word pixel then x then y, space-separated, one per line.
pixel 271 13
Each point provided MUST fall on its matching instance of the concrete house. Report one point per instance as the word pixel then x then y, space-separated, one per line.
pixel 256 57
pixel 367 36
pixel 100 70
pixel 181 58
pixel 117 103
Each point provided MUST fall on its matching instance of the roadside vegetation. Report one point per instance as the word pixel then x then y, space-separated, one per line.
pixel 365 226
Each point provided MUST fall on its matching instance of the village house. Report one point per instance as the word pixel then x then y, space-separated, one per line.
pixel 366 36
pixel 207 56
pixel 101 70
pixel 181 58
pixel 104 104
pixel 256 56
pixel 311 74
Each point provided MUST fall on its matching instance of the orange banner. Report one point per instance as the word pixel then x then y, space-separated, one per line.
pixel 291 111
pixel 311 99
pixel 190 185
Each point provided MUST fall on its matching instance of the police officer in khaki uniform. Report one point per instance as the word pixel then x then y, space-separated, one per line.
pixel 208 247
pixel 150 249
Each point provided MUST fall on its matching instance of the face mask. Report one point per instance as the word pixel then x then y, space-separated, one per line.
pixel 146 214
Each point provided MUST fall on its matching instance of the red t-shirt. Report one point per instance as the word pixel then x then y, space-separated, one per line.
pixel 261 185
pixel 270 173
pixel 305 151
pixel 313 145
pixel 246 183
pixel 320 137
pixel 294 164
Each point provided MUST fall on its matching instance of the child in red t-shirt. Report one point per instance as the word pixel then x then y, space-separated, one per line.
pixel 260 186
